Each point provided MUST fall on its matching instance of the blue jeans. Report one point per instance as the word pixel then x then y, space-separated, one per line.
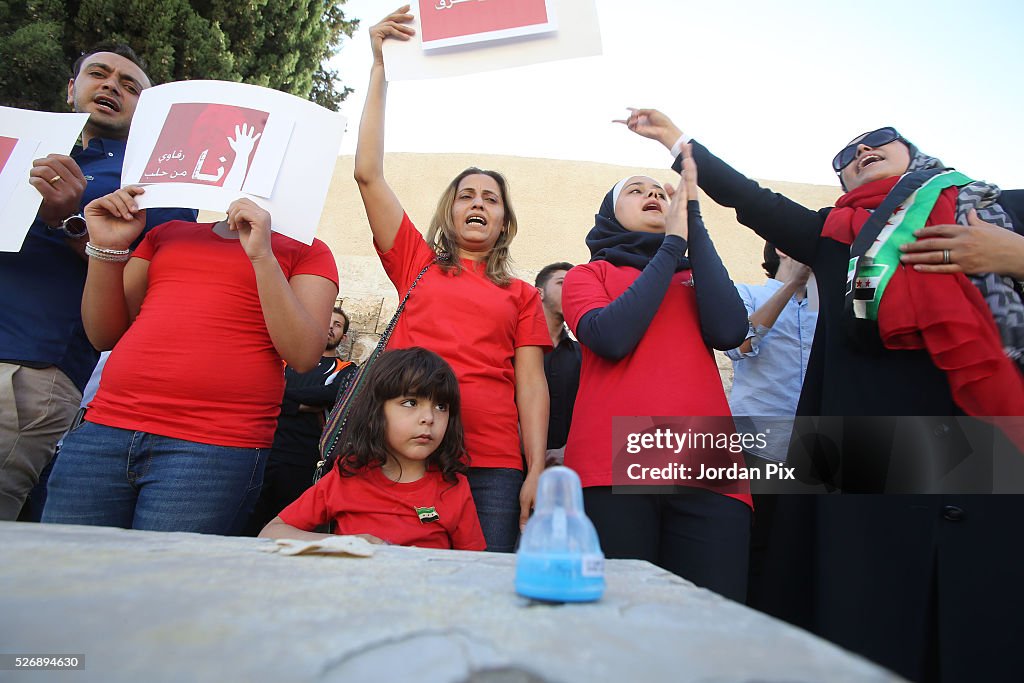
pixel 496 495
pixel 116 477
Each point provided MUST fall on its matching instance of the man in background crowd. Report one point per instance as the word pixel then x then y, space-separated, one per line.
pixel 308 397
pixel 562 364
pixel 45 357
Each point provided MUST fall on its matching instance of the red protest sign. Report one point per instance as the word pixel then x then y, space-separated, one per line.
pixel 7 146
pixel 207 144
pixel 455 22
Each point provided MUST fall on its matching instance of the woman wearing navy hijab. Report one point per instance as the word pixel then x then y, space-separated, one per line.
pixel 648 308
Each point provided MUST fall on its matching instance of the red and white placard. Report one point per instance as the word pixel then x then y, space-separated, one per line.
pixel 25 136
pixel 459 37
pixel 446 23
pixel 203 144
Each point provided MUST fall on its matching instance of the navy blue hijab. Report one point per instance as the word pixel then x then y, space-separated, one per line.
pixel 609 241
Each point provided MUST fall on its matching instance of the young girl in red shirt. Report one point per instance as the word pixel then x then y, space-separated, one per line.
pixel 403 480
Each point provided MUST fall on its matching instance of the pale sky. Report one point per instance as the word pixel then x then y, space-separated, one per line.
pixel 774 88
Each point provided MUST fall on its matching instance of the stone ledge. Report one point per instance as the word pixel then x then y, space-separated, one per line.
pixel 146 606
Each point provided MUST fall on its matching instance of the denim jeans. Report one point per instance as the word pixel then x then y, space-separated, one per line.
pixel 107 476
pixel 496 495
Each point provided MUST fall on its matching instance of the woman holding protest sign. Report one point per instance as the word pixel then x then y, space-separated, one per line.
pixel 199 317
pixel 467 307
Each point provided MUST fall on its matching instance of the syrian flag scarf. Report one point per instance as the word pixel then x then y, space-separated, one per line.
pixel 945 314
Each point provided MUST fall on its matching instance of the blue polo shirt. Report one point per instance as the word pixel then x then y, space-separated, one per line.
pixel 42 285
pixel 767 381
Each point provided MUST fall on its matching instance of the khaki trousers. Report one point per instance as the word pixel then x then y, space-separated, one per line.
pixel 36 408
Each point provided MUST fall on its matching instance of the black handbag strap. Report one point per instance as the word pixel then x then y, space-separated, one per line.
pixel 338 418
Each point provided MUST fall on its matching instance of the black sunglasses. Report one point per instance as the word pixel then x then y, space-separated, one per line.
pixel 876 138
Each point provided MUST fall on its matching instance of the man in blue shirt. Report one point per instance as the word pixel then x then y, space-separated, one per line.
pixel 45 357
pixel 769 366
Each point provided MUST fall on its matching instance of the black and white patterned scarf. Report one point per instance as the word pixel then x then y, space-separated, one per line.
pixel 1001 292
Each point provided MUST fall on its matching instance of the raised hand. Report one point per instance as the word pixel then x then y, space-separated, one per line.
pixel 676 221
pixel 689 171
pixel 115 220
pixel 392 26
pixel 243 144
pixel 244 141
pixel 652 124
pixel 253 226
pixel 61 183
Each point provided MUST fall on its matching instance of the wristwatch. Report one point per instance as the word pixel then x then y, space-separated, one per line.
pixel 74 226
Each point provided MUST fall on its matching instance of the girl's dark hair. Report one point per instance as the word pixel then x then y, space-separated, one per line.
pixel 404 372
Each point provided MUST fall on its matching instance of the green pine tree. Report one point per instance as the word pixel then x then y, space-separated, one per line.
pixel 281 44
pixel 34 70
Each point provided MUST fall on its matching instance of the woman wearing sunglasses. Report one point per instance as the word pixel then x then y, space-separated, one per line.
pixel 902 333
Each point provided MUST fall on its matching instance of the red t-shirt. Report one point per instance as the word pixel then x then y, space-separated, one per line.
pixel 428 513
pixel 670 372
pixel 476 326
pixel 198 363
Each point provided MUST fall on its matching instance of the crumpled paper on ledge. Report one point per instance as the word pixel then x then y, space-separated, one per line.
pixel 333 545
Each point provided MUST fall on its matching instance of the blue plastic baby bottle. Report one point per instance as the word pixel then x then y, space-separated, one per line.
pixel 559 557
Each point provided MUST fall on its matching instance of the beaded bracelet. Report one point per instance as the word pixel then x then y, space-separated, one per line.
pixel 104 254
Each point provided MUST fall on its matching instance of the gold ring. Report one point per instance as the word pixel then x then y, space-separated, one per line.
pixel 54 179
pixel 945 256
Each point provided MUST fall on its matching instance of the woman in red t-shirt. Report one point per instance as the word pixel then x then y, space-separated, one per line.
pixel 653 299
pixel 468 308
pixel 202 315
